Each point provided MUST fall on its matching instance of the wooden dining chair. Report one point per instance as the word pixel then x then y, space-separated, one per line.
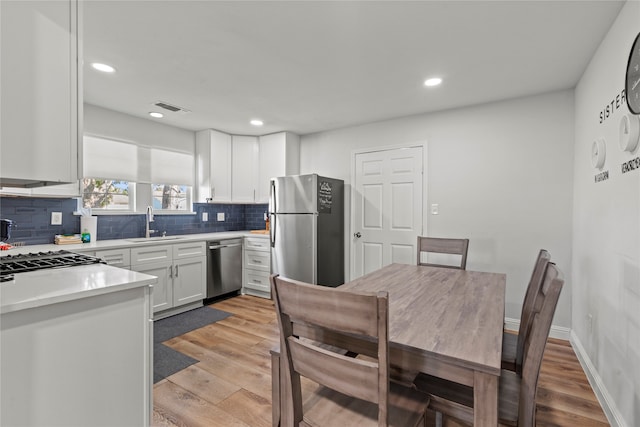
pixel 517 394
pixel 352 391
pixel 513 345
pixel 443 246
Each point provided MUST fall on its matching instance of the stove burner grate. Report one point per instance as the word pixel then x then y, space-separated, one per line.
pixel 22 263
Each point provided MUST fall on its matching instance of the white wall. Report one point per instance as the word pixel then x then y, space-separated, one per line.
pixel 606 237
pixel 500 172
pixel 108 123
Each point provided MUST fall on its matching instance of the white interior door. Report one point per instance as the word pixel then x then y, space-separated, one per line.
pixel 387 208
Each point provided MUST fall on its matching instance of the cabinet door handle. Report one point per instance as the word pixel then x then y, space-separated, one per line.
pixel 170 272
pixel 176 271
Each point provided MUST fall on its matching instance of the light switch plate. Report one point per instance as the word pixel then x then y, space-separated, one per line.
pixel 56 218
pixel 434 209
pixel 220 216
pixel 205 216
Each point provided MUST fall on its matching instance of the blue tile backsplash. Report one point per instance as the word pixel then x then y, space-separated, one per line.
pixel 32 219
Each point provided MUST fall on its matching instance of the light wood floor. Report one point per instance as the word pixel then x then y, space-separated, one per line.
pixel 231 385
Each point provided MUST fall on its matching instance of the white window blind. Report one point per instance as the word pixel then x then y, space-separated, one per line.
pixel 170 167
pixel 106 158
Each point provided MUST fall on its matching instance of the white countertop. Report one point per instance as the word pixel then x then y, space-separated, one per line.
pixel 127 243
pixel 55 285
pixel 49 286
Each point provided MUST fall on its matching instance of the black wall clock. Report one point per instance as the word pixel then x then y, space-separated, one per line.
pixel 632 80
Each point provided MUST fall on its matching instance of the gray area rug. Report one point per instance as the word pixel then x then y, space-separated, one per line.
pixel 167 361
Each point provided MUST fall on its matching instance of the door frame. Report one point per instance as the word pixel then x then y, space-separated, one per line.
pixel 354 154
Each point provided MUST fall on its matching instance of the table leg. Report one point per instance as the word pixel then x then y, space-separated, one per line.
pixel 485 397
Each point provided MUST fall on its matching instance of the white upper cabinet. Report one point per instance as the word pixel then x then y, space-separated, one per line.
pixel 244 168
pixel 213 166
pixel 237 169
pixel 40 100
pixel 279 155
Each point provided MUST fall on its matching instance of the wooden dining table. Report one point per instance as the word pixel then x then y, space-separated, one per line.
pixel 447 323
pixel 444 322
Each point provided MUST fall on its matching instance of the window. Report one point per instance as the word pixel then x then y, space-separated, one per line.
pixel 107 194
pixel 172 177
pixel 170 197
pixel 115 170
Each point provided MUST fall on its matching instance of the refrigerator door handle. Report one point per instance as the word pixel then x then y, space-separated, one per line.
pixel 272 229
pixel 273 215
pixel 272 197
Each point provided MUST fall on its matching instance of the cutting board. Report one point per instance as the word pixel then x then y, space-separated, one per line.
pixel 260 231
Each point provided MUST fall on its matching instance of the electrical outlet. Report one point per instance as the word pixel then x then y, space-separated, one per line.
pixel 220 216
pixel 205 216
pixel 434 209
pixel 56 218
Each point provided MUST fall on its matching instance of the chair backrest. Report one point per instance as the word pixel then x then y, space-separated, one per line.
pixel 443 246
pixel 365 316
pixel 536 341
pixel 528 304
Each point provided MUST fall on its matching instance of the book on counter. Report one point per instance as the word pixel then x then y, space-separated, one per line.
pixel 67 239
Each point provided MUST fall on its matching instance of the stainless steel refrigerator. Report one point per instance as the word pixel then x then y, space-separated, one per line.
pixel 306 214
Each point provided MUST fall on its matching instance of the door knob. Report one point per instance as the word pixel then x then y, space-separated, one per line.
pixel 358 235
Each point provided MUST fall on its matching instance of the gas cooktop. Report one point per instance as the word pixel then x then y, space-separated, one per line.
pixel 22 263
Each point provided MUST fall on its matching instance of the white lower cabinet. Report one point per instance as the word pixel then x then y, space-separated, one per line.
pixel 256 267
pixel 115 257
pixel 163 290
pixel 189 280
pixel 181 271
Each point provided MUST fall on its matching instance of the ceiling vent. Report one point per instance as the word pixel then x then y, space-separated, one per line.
pixel 170 107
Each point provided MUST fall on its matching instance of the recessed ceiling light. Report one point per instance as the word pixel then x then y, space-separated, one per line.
pixel 103 67
pixel 256 122
pixel 156 115
pixel 434 81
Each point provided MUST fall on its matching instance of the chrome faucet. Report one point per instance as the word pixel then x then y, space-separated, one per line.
pixel 149 220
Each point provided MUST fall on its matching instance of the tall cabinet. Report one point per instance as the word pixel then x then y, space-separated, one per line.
pixel 41 98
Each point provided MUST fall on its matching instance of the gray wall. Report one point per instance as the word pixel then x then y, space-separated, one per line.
pixel 108 123
pixel 500 172
pixel 606 230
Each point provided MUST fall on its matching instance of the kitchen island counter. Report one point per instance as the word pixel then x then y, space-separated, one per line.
pixel 76 347
pixel 50 286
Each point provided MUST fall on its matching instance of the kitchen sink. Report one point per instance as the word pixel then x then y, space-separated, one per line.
pixel 153 239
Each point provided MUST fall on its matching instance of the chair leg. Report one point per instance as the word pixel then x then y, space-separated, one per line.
pixel 275 388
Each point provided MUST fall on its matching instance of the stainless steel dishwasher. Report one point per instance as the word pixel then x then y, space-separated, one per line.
pixel 224 267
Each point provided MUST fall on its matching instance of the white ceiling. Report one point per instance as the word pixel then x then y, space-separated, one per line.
pixel 310 66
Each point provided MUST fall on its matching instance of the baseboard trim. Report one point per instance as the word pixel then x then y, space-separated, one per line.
pixel 559 332
pixel 602 394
